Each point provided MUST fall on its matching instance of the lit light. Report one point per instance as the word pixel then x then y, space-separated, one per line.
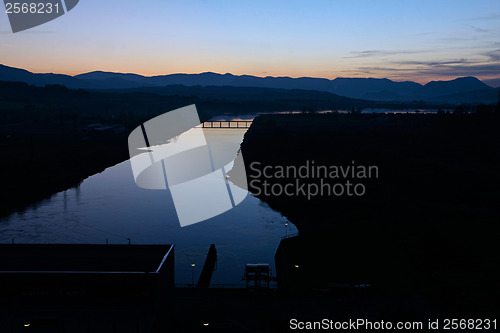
pixel 286 224
pixel 27 325
pixel 296 266
pixel 205 324
pixel 192 265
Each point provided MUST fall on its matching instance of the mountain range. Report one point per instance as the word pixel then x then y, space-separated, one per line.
pixel 460 90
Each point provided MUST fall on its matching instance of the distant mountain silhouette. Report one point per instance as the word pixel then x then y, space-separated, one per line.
pixel 460 90
pixel 461 85
pixel 21 75
pixel 379 89
pixel 493 82
pixel 214 79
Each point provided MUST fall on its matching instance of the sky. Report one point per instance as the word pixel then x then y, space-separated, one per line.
pixel 402 40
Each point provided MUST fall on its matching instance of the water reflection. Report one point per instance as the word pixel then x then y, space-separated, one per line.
pixel 109 206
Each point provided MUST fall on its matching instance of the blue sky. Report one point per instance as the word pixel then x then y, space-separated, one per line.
pixel 401 40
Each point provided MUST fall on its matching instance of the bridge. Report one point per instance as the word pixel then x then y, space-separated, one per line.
pixel 226 124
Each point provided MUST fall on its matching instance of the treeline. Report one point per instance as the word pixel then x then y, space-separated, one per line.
pixel 73 109
pixel 480 109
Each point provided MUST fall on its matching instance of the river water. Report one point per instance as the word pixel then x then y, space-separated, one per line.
pixel 110 207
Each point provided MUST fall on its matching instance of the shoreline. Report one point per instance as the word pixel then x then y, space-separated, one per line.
pixel 60 165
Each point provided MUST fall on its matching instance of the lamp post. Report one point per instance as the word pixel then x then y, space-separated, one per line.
pixel 286 229
pixel 192 274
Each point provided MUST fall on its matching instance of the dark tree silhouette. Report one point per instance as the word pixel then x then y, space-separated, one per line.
pixel 498 104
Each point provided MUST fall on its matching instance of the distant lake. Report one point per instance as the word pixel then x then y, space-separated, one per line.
pixel 367 110
pixel 110 206
pixel 399 111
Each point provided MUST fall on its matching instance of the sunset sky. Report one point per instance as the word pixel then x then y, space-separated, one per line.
pixel 401 40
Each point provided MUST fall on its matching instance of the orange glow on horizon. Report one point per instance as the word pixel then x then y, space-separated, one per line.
pixel 149 73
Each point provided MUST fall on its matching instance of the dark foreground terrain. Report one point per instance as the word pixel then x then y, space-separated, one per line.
pixel 420 243
pixel 426 228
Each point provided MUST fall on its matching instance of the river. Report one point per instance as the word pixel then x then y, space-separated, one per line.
pixel 110 207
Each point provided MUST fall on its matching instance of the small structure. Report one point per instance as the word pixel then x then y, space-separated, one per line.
pixel 257 276
pixel 208 268
pixel 86 287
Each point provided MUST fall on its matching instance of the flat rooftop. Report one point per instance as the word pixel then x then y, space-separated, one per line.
pixel 81 257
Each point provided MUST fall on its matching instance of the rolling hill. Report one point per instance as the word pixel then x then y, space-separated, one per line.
pixel 460 90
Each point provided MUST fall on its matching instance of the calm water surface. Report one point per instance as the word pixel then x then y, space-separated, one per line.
pixel 110 206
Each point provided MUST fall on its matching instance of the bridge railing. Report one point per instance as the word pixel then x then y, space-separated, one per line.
pixel 226 124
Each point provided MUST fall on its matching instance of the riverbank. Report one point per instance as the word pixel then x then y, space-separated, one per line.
pixel 427 224
pixel 40 161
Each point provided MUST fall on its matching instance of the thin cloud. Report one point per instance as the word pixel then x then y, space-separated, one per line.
pixel 484 64
pixel 457 39
pixel 493 55
pixel 375 53
pixel 489 70
pixel 433 63
pixel 478 29
pixel 494 16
